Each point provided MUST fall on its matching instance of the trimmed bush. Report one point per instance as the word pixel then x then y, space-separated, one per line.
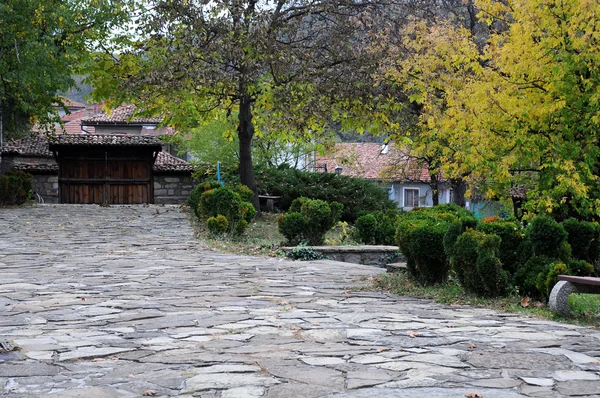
pixel 356 194
pixel 584 238
pixel 194 199
pixel 555 269
pixel 376 228
pixel 533 275
pixel 547 238
pixel 308 220
pixel 228 203
pixel 580 268
pixel 15 188
pixel 426 260
pixel 477 264
pixel 511 235
pixel 420 236
pixel 217 225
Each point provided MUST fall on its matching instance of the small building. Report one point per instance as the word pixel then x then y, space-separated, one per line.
pixel 407 180
pixel 102 169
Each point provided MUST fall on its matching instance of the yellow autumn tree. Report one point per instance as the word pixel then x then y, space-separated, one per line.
pixel 431 64
pixel 522 111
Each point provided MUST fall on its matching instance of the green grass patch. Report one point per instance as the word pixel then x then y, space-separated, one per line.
pixel 585 307
pixel 262 238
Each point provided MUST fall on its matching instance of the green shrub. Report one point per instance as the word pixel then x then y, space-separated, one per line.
pixel 584 238
pixel 511 234
pixel 579 268
pixel 532 275
pixel 367 229
pixel 376 228
pixel 217 225
pixel 15 188
pixel 420 235
pixel 194 199
pixel 228 203
pixel 356 194
pixel 495 279
pixel 454 231
pixel 548 238
pixel 426 260
pixel 305 254
pixel 309 220
pixel 477 265
pixel 551 278
pixel 463 254
pixel 245 193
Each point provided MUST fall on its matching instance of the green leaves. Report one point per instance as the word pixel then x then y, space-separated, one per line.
pixel 42 45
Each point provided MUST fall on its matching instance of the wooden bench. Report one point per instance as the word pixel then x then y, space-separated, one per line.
pixel 270 201
pixel 571 284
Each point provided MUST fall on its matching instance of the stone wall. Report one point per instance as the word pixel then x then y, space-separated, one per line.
pixel 45 188
pixel 172 188
pixel 367 255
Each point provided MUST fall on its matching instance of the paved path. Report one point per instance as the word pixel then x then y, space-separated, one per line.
pixel 121 301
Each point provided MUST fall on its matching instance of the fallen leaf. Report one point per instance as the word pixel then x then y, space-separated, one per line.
pixel 348 292
pixel 474 395
pixel 525 302
pixel 472 346
pixel 148 393
pixel 83 299
pixel 412 334
pixel 595 362
pixel 316 324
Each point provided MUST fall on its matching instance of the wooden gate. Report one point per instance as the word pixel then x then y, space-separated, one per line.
pixel 106 175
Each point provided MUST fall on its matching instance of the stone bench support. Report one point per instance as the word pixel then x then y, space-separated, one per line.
pixel 571 284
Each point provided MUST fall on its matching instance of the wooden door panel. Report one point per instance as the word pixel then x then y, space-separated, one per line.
pixel 124 177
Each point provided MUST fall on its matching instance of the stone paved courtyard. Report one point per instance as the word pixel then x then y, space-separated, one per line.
pixel 123 302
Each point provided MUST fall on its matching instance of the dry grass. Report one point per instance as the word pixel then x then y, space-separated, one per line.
pixel 260 239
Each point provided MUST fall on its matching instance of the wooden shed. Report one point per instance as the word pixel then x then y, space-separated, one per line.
pixel 105 169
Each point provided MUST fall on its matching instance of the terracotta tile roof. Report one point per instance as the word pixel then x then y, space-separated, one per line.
pixel 373 161
pixel 78 115
pixel 168 163
pixel 39 146
pixel 36 145
pixel 122 114
pixel 104 140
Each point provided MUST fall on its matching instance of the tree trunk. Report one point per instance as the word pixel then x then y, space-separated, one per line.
pixel 435 192
pixel 1 131
pixel 245 134
pixel 459 188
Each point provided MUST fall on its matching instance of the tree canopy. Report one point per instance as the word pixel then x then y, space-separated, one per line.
pixel 282 67
pixel 42 43
pixel 519 110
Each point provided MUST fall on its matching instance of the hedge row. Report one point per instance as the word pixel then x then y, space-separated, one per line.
pixel 356 194
pixel 497 256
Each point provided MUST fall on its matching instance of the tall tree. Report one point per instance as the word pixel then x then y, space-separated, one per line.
pixel 525 111
pixel 433 58
pixel 284 67
pixel 532 112
pixel 42 42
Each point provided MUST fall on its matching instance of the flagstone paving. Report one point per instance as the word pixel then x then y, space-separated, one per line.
pixel 123 302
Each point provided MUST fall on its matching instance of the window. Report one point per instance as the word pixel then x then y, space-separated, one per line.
pixel 411 197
